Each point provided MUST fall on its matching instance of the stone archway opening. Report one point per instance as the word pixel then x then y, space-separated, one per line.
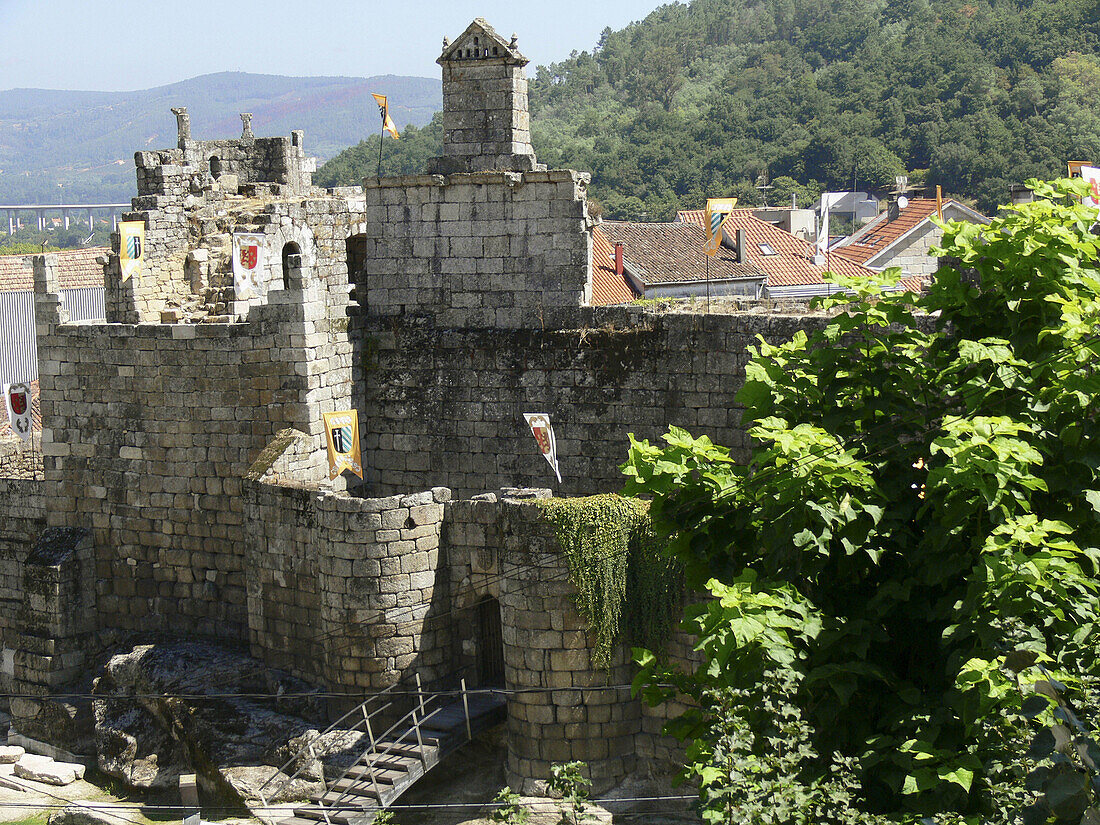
pixel 289 249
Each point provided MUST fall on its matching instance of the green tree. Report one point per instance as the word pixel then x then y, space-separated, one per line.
pixel 922 500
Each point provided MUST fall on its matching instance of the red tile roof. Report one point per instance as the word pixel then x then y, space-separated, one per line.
pixel 665 253
pixel 793 261
pixel 36 412
pixel 607 287
pixel 882 232
pixel 77 268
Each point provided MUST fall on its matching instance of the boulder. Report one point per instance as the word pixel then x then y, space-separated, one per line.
pixel 86 812
pixel 10 753
pixel 247 780
pixel 178 708
pixel 45 770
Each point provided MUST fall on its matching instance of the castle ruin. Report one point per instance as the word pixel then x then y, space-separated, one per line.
pixel 184 489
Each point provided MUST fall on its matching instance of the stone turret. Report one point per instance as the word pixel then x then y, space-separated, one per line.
pixel 486 124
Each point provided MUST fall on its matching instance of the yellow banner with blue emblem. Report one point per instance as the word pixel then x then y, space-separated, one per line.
pixel 342 436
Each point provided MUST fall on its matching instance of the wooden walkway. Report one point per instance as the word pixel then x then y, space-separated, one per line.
pixel 395 763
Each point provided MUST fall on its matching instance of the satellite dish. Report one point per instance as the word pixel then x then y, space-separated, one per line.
pixel 903 202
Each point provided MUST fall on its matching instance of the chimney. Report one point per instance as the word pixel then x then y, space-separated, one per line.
pixel 893 210
pixel 742 252
pixel 618 259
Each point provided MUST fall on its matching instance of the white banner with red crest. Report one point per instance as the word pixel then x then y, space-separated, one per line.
pixel 1092 175
pixel 248 263
pixel 18 399
pixel 543 432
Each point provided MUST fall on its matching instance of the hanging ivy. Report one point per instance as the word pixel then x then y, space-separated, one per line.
pixel 627 589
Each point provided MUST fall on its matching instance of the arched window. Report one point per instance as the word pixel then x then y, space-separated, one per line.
pixel 215 166
pixel 289 249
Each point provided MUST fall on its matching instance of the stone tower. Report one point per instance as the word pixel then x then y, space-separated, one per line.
pixel 486 125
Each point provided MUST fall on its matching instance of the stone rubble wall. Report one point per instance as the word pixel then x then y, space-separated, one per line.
pixel 22 519
pixel 445 406
pixel 476 250
pixel 19 458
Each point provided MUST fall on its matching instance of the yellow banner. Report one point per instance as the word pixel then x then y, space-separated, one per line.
pixel 131 248
pixel 342 437
pixel 717 212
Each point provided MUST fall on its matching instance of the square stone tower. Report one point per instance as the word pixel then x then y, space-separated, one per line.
pixel 486 124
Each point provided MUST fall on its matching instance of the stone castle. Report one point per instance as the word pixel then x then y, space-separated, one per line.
pixel 184 489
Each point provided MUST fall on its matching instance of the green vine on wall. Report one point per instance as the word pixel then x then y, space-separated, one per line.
pixel 627 589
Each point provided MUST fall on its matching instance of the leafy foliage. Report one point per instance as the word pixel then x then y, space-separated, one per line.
pixel 569 782
pixel 509 809
pixel 1066 778
pixel 622 580
pixel 699 99
pixel 922 501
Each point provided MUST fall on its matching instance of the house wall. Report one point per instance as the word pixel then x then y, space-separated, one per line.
pixel 914 258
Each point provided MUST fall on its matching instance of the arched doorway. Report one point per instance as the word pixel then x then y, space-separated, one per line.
pixel 289 249
pixel 490 644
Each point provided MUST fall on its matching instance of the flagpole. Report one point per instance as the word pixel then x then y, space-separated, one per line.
pixel 381 136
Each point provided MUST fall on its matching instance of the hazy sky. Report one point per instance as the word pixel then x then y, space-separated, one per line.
pixel 130 44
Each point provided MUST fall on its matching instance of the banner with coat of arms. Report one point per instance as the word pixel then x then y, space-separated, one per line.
pixel 342 435
pixel 543 432
pixel 131 248
pixel 248 262
pixel 1092 175
pixel 18 399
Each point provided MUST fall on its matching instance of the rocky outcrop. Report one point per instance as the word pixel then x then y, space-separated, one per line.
pixel 171 709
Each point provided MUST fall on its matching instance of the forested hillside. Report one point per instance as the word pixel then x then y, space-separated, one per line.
pixel 699 100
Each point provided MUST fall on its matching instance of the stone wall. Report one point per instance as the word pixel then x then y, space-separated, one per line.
pixel 914 259
pixel 56 617
pixel 149 430
pixel 346 591
pixel 445 406
pixel 488 249
pixel 19 458
pixel 22 519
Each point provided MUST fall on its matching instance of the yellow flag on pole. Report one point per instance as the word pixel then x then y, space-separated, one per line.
pixel 384 111
pixel 718 211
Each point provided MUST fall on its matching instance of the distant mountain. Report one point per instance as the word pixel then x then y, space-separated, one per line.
pixel 86 140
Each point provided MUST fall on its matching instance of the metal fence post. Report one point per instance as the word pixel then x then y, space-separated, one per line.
pixel 466 709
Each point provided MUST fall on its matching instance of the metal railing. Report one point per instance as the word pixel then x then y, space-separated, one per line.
pixel 372 756
pixel 364 714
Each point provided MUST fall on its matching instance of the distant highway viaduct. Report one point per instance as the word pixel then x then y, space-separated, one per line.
pixel 15 213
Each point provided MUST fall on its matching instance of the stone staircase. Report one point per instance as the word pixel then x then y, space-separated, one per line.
pixel 399 757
